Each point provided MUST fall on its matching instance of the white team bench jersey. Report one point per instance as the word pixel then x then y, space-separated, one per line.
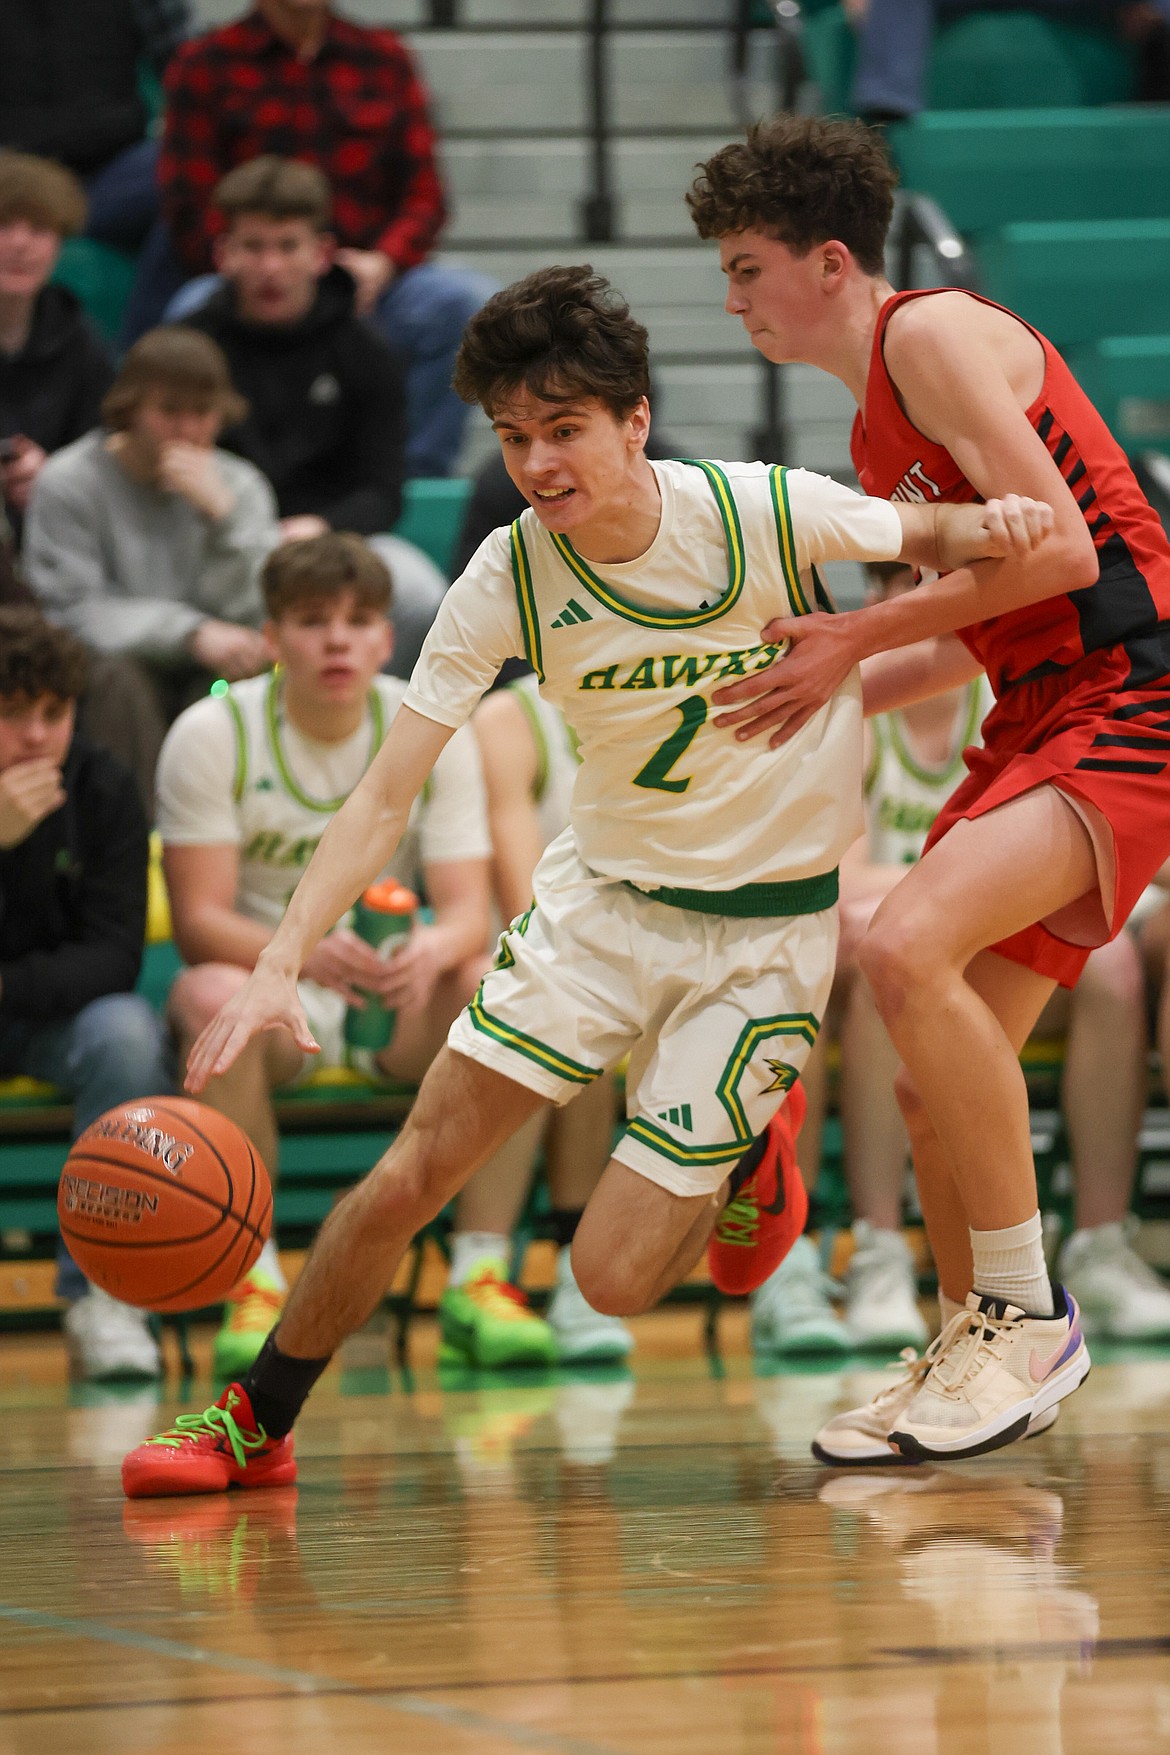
pixel 233 770
pixel 631 654
pixel 903 794
pixel 557 759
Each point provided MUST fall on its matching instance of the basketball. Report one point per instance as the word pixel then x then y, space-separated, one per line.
pixel 164 1203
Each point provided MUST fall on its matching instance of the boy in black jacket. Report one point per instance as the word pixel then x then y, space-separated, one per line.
pixel 327 401
pixel 54 369
pixel 73 855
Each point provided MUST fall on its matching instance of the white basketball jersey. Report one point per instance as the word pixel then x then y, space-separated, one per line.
pixel 283 797
pixel 903 795
pixel 557 760
pixel 665 798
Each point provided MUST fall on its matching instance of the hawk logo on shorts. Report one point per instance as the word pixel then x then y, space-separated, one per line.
pixel 783 1076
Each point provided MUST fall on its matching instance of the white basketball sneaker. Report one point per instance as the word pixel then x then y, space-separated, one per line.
pixel 992 1370
pixel 584 1336
pixel 881 1298
pixel 860 1437
pixel 110 1340
pixel 1120 1296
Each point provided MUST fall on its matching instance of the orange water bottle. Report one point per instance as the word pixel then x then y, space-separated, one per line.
pixel 384 917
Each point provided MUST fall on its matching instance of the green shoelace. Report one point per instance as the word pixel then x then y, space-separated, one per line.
pixel 738 1222
pixel 216 1422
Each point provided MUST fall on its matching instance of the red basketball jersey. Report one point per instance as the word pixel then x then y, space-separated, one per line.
pixel 1129 606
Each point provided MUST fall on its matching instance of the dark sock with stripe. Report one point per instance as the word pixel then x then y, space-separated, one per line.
pixel 563 1222
pixel 278 1385
pixel 748 1164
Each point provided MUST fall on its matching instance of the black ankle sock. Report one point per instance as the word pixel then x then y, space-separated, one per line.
pixel 277 1386
pixel 564 1222
pixel 748 1164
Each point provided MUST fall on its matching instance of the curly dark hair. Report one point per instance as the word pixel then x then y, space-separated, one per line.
pixel 320 568
pixel 38 659
pixel 801 180
pixel 559 334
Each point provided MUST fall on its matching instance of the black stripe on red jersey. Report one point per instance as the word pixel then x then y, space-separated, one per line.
pixel 1095 765
pixel 1045 424
pixel 1086 499
pixel 1062 450
pixel 1108 741
pixel 1075 475
pixel 1098 525
pixel 1149 657
pixel 1134 709
pixel 1119 605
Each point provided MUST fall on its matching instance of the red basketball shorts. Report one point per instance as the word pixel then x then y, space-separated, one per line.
pixel 1098 741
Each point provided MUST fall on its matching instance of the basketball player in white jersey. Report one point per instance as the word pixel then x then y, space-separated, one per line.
pixel 247 782
pixel 686 917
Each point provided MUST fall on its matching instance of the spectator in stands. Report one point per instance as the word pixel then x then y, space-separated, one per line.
pixel 894 40
pixel 326 419
pixel 147 541
pixel 73 853
pixel 54 369
pixel 295 78
pixel 247 783
pixel 71 89
pixel 914 762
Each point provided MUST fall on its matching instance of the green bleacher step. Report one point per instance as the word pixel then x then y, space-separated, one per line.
pixel 990 168
pixel 1128 378
pixel 1079 282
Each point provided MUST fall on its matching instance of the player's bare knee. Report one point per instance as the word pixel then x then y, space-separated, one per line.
pixel 199 992
pixel 890 957
pixel 610 1284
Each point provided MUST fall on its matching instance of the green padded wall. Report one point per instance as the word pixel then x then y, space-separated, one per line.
pixel 1080 282
pixel 989 168
pixel 1128 377
pixel 100 276
pixel 992 60
pixel 431 515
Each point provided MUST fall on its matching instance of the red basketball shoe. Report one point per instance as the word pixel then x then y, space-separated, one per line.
pixel 208 1453
pixel 759 1225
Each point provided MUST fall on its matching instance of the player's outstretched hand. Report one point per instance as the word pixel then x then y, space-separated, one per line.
pixel 267 1001
pixel 818 657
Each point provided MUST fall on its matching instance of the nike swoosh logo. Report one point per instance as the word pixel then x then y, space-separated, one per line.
pixel 777 1205
pixel 1039 1368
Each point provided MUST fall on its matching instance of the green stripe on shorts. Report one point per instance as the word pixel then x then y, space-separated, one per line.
pixel 648 1135
pixel 570 1070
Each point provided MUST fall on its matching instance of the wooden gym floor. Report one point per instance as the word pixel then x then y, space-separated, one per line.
pixel 642 1564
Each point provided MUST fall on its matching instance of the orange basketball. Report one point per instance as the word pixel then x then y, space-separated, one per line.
pixel 164 1203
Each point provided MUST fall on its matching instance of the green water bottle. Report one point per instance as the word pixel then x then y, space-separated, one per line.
pixel 383 916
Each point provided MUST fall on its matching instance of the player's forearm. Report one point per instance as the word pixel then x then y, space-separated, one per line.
pixel 890 680
pixel 960 598
pixel 219 935
pixel 460 931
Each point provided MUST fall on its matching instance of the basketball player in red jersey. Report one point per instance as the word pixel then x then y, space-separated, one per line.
pixel 1065 814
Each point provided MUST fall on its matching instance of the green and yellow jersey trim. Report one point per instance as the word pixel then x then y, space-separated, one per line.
pixel 949 773
pixel 526 601
pixel 572 1071
pixel 682 618
pixel 326 806
pixel 240 776
pixel 786 540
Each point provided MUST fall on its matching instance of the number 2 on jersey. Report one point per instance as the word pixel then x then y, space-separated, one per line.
pixel 654 774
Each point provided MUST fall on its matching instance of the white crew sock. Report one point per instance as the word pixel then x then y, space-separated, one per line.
pixel 469 1248
pixel 948 1308
pixel 268 1263
pixel 1010 1264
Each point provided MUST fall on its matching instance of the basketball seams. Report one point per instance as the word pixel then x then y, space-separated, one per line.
pixel 221 1253
pixel 188 1120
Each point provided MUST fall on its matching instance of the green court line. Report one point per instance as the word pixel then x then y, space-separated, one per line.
pixel 302 1682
